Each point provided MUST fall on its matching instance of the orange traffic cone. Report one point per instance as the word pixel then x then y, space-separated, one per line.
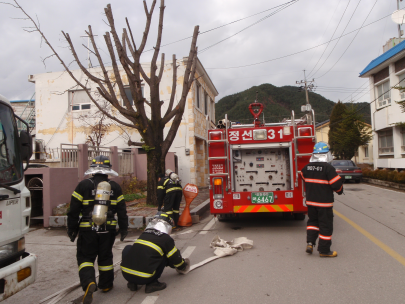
pixel 190 191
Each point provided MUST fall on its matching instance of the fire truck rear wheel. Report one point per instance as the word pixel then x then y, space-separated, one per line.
pixel 299 216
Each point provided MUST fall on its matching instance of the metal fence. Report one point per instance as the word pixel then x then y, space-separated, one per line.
pixel 96 151
pixel 69 156
pixel 125 162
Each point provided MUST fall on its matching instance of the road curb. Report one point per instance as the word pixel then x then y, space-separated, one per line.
pixel 201 208
pixel 387 184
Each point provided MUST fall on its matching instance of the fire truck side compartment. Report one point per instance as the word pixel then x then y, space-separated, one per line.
pixel 272 166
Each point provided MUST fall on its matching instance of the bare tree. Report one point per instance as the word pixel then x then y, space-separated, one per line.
pixel 123 50
pixel 98 125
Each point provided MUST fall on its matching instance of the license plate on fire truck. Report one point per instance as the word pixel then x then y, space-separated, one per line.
pixel 262 198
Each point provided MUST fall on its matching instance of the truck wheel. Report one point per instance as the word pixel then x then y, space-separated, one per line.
pixel 299 216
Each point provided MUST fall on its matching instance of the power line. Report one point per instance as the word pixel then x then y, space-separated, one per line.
pixel 221 26
pixel 349 43
pixel 347 24
pixel 309 74
pixel 260 20
pixel 299 52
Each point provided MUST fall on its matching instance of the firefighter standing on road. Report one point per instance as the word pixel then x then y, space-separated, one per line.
pixel 144 261
pixel 321 180
pixel 96 241
pixel 169 193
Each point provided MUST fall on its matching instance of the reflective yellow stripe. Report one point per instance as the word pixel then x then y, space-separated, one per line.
pixel 150 244
pixel 85 224
pixel 120 198
pixel 86 264
pixel 112 223
pixel 162 214
pixel 77 196
pixel 174 188
pixel 113 202
pixel 86 202
pixel 137 273
pixel 179 264
pixel 106 268
pixel 171 252
pixel 166 181
pixel 176 211
pixel 169 212
pixel 160 187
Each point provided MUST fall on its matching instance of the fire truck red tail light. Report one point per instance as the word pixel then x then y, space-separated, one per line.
pixel 216 135
pixel 218 187
pixel 305 131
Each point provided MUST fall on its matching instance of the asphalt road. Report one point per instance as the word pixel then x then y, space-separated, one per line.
pixel 369 236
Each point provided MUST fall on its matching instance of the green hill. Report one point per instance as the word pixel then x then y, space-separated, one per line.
pixel 278 103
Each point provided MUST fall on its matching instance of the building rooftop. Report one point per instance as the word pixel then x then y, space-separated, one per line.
pixel 384 57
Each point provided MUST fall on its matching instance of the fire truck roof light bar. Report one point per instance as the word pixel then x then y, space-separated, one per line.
pixel 252 125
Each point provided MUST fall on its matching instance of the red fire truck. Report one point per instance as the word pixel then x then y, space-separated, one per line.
pixel 255 167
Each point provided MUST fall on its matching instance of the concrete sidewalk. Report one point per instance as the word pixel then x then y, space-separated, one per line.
pixel 139 215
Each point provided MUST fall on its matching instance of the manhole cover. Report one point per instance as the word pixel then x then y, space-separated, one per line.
pixel 352 189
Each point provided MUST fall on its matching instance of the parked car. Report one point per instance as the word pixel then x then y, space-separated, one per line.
pixel 347 170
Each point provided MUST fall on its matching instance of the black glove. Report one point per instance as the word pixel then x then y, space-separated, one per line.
pixel 185 268
pixel 72 234
pixel 123 233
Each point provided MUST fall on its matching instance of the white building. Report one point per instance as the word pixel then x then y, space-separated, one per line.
pixel 387 117
pixel 58 112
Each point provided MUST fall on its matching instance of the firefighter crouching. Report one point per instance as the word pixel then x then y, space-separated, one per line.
pixel 321 180
pixel 97 227
pixel 169 193
pixel 144 261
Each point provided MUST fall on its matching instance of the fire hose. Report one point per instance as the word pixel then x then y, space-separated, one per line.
pixel 222 249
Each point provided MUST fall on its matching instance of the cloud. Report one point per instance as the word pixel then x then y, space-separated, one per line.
pixel 298 27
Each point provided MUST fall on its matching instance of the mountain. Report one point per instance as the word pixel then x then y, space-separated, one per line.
pixel 278 103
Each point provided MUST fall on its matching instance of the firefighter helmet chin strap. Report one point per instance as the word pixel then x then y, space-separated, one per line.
pixel 321 157
pixel 160 225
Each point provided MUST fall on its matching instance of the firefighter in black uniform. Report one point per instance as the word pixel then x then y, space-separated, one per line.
pixel 169 193
pixel 96 241
pixel 144 261
pixel 321 180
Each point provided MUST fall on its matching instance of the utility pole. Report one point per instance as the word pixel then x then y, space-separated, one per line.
pixel 88 50
pixel 308 86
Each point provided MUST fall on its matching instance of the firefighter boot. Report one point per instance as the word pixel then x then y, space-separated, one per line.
pixel 88 296
pixel 107 289
pixel 310 248
pixel 132 286
pixel 330 254
pixel 154 286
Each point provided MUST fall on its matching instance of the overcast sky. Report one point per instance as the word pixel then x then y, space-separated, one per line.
pixel 303 25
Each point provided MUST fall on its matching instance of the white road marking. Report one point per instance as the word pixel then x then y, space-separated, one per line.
pixel 208 226
pixel 189 250
pixel 149 300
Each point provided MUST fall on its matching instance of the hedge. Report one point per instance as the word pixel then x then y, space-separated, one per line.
pixel 385 175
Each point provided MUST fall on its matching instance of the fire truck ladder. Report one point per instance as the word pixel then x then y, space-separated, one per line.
pixel 225 141
pixel 296 138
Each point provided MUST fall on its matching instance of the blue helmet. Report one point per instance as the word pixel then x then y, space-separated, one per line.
pixel 321 147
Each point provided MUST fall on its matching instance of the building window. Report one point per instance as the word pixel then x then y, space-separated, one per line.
pixel 366 152
pixel 198 89
pixel 403 140
pixel 212 110
pixel 206 104
pixel 385 142
pixel 129 95
pixel 402 84
pixel 383 94
pixel 79 101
